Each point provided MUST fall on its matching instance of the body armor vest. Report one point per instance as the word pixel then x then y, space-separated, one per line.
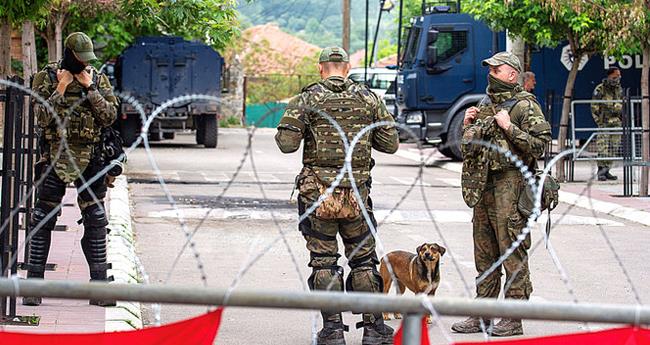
pixel 480 160
pixel 327 155
pixel 80 127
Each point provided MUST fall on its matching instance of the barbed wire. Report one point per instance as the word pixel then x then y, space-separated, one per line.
pixel 346 169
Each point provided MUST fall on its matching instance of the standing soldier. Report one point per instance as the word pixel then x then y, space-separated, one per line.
pixel 607 115
pixel 84 102
pixel 511 119
pixel 353 106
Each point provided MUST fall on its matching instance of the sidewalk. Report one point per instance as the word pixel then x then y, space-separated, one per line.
pixel 64 316
pixel 78 316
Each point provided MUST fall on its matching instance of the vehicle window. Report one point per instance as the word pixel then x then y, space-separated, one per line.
pixel 381 81
pixel 450 43
pixel 412 47
pixel 358 77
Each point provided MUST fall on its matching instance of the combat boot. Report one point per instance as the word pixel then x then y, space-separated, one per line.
pixel 98 274
pixel 375 331
pixel 508 328
pixel 601 174
pixel 471 325
pixel 34 272
pixel 609 176
pixel 332 332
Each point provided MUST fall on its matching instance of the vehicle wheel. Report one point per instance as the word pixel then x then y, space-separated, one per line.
pixel 445 150
pixel 454 137
pixel 200 130
pixel 130 129
pixel 210 128
pixel 169 135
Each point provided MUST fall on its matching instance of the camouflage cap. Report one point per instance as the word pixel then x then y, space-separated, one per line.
pixel 81 45
pixel 504 58
pixel 333 54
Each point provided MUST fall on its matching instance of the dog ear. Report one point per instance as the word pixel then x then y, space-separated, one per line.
pixel 417 250
pixel 441 249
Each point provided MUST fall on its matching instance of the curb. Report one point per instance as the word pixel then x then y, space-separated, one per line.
pixel 612 209
pixel 126 316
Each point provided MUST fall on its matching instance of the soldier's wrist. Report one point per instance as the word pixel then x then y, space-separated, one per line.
pixel 91 87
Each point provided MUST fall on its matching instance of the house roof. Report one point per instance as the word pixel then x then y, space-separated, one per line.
pixel 268 49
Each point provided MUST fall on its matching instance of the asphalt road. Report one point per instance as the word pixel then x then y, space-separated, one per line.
pixel 250 215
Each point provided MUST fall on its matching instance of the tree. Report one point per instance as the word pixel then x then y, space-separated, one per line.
pixel 58 16
pixel 628 32
pixel 546 23
pixel 214 22
pixel 14 13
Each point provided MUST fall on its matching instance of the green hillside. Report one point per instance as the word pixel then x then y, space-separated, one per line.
pixel 320 22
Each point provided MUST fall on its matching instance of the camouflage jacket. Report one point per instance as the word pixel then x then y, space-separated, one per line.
pixel 607 114
pixel 527 137
pixel 303 120
pixel 81 116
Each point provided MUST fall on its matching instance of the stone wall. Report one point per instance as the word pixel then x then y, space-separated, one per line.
pixel 233 101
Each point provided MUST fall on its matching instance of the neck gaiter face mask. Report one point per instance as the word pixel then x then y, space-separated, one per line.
pixel 71 63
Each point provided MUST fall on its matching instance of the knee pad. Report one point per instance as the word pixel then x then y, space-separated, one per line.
pixel 364 275
pixel 94 216
pixel 40 213
pixel 52 189
pixel 326 278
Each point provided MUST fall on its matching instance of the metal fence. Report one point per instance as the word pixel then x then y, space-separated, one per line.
pixel 18 155
pixel 616 148
pixel 413 307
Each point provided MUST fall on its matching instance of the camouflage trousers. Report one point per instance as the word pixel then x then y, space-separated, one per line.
pixel 496 225
pixel 321 238
pixel 609 145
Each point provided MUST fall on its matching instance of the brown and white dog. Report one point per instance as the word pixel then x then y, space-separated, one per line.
pixel 419 272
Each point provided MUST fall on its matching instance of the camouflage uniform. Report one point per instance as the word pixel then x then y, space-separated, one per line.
pixel 96 107
pixel 354 107
pixel 607 115
pixel 492 183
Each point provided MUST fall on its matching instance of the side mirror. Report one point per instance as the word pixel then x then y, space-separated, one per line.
pixel 432 57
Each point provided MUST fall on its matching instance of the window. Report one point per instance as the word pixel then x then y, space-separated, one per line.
pixel 450 43
pixel 358 77
pixel 381 81
pixel 412 44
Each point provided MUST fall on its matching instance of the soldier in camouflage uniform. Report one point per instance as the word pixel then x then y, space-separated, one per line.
pixel 511 119
pixel 353 106
pixel 72 82
pixel 607 115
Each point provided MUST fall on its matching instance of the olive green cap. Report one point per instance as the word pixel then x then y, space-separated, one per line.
pixel 81 45
pixel 504 58
pixel 333 54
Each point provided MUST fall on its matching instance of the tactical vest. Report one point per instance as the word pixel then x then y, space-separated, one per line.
pixel 480 160
pixel 497 160
pixel 80 124
pixel 326 152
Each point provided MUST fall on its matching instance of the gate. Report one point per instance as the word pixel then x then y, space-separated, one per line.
pixel 18 154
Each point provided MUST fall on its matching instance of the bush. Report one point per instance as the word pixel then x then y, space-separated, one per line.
pixel 230 121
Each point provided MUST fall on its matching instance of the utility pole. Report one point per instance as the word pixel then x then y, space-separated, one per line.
pixel 346 25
